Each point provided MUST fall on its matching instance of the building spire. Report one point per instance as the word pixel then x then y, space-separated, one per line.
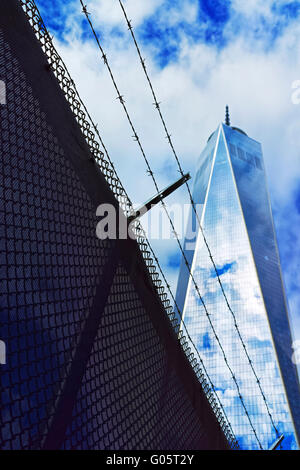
pixel 227 118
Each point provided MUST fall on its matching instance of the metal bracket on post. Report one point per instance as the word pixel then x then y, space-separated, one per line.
pixel 159 197
pixel 277 442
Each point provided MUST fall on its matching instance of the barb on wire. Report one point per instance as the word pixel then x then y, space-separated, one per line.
pixel 168 136
pixel 170 220
pixel 84 9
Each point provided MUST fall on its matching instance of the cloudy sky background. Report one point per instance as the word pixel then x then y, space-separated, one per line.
pixel 201 55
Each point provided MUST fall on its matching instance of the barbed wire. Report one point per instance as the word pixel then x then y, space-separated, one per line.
pixel 57 65
pixel 187 332
pixel 168 136
pixel 120 97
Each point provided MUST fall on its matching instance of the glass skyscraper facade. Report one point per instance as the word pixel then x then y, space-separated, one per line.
pixel 230 187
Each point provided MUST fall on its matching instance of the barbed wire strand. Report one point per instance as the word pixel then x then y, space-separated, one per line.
pixel 168 136
pixel 61 68
pixel 55 58
pixel 151 174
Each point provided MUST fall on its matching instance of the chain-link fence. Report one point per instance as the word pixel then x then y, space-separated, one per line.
pixel 86 366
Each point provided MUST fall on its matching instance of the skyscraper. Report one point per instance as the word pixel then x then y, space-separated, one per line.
pixel 230 187
pixel 86 331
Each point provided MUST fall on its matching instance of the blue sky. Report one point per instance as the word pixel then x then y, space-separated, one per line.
pixel 201 55
pixel 212 22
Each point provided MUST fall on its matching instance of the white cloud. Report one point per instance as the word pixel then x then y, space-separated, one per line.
pixel 254 81
pixel 110 13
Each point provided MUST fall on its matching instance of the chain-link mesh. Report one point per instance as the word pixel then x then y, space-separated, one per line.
pixel 51 265
pixel 128 398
